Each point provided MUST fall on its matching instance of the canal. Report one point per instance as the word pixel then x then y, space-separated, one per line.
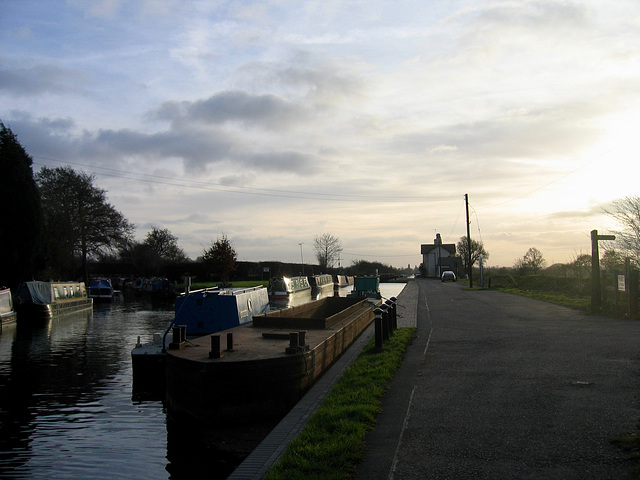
pixel 66 405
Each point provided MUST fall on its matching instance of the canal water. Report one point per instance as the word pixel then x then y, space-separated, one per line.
pixel 66 405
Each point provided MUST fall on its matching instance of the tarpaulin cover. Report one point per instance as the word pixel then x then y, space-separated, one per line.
pixel 36 292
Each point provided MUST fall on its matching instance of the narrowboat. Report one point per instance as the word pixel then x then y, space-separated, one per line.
pixel 341 280
pixel 267 365
pixel 101 289
pixel 7 313
pixel 45 300
pixel 198 312
pixel 321 282
pixel 366 287
pixel 283 287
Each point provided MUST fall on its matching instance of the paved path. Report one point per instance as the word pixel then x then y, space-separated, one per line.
pixel 502 387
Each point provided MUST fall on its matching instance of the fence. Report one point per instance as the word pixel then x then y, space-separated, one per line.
pixel 620 293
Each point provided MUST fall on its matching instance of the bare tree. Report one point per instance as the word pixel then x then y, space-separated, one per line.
pixel 627 212
pixel 78 218
pixel 328 248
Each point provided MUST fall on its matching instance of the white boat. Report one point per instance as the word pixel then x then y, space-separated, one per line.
pixel 51 299
pixel 320 282
pixel 7 313
pixel 283 287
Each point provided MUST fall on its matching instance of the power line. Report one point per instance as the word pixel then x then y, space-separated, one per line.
pixel 212 186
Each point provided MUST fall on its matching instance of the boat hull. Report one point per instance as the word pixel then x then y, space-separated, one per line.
pixel 8 319
pixel 39 311
pixel 258 380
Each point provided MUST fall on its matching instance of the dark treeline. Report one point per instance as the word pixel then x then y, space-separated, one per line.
pixel 258 271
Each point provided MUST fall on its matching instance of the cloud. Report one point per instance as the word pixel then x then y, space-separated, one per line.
pixel 39 78
pixel 265 110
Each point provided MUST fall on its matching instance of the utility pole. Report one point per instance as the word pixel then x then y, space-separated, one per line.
pixel 301 258
pixel 466 202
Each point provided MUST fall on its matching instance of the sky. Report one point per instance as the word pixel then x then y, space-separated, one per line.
pixel 271 122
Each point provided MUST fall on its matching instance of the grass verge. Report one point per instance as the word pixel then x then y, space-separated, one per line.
pixel 576 303
pixel 332 443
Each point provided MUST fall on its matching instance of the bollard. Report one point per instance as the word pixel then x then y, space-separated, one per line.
pixel 394 300
pixel 183 333
pixel 389 305
pixel 378 327
pixel 301 338
pixel 294 343
pixel 385 321
pixel 176 335
pixel 215 347
pixel 229 342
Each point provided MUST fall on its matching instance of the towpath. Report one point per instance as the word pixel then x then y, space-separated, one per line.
pixel 498 386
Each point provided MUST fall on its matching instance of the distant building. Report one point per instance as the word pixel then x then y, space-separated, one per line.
pixel 439 257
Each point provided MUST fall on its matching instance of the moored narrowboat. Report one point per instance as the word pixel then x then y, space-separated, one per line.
pixel 366 287
pixel 45 300
pixel 198 312
pixel 7 313
pixel 321 282
pixel 267 365
pixel 283 287
pixel 101 289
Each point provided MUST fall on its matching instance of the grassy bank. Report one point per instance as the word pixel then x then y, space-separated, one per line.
pixel 568 292
pixel 332 442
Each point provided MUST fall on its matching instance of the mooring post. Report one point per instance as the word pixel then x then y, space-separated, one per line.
pixel 394 300
pixel 229 342
pixel 389 304
pixel 183 333
pixel 385 321
pixel 176 335
pixel 301 338
pixel 378 327
pixel 215 347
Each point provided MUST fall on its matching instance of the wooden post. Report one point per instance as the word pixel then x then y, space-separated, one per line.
pixel 466 202
pixel 378 327
pixel 596 288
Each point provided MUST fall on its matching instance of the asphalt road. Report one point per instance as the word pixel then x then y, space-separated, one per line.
pixel 497 386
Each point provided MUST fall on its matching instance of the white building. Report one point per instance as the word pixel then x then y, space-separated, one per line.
pixel 439 257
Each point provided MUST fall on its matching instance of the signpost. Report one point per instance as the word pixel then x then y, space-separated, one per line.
pixel 596 290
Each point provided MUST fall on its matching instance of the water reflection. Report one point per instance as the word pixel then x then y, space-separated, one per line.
pixel 65 403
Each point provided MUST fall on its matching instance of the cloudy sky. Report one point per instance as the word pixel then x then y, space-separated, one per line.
pixel 273 121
